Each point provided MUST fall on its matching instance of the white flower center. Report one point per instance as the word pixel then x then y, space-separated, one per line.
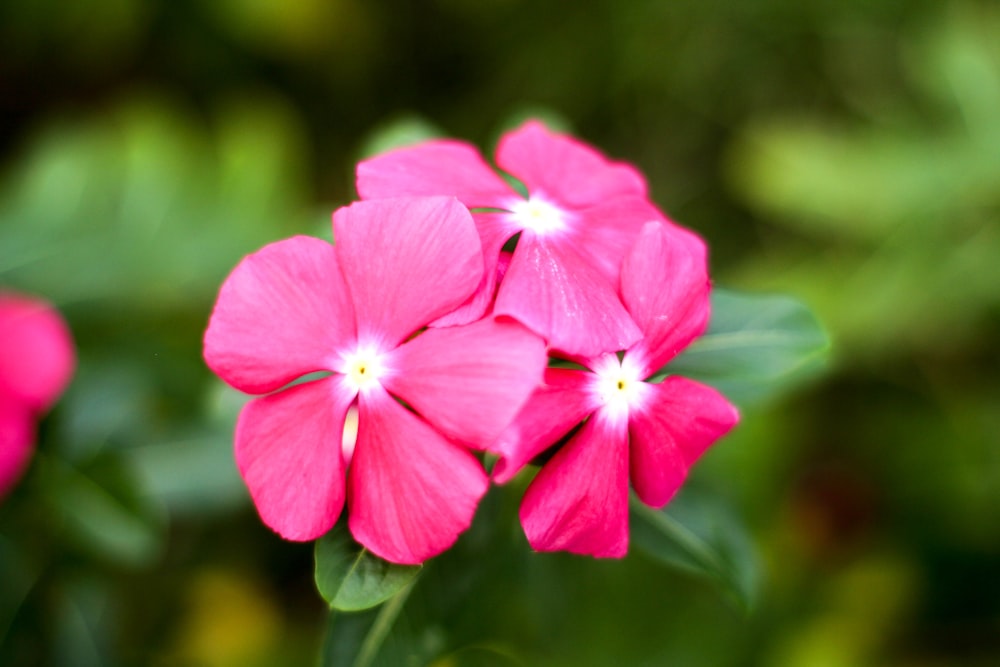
pixel 617 386
pixel 363 369
pixel 538 215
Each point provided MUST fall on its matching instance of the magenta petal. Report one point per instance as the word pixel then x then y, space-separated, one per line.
pixel 288 449
pixel 672 428
pixel 494 230
pixel 553 410
pixel 411 492
pixel 565 169
pixel 578 502
pixel 36 351
pixel 433 168
pixel 609 231
pixel 665 288
pixel 406 262
pixel 282 313
pixel 556 293
pixel 17 433
pixel 469 382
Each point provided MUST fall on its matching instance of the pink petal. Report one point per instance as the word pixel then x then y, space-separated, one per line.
pixel 608 231
pixel 494 231
pixel 551 412
pixel 672 428
pixel 433 168
pixel 281 313
pixel 469 382
pixel 564 169
pixel 406 262
pixel 556 293
pixel 288 449
pixel 17 433
pixel 665 288
pixel 410 491
pixel 36 351
pixel 578 502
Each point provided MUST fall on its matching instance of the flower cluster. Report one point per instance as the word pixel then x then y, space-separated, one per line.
pixel 422 319
pixel 36 363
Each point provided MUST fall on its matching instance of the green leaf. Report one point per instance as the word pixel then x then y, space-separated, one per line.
pixel 697 533
pixel 102 512
pixel 351 578
pixel 398 133
pixel 756 346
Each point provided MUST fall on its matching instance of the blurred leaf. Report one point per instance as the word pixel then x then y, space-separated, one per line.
pixel 697 533
pixel 553 119
pixel 84 623
pixel 104 521
pixel 148 186
pixel 403 131
pixel 373 638
pixel 351 578
pixel 17 576
pixel 480 655
pixel 195 476
pixel 755 346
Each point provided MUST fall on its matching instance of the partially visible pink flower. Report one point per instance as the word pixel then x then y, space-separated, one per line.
pixel 357 310
pixel 36 363
pixel 649 433
pixel 581 216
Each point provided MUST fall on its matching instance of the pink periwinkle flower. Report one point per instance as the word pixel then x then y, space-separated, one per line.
pixel 649 433
pixel 36 363
pixel 358 310
pixel 582 214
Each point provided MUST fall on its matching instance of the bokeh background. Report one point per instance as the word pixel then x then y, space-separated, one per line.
pixel 846 152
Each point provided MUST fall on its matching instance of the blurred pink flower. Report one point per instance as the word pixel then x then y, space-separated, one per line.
pixel 36 363
pixel 581 216
pixel 650 433
pixel 357 309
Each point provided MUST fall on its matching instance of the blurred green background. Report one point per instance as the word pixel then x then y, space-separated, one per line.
pixel 846 152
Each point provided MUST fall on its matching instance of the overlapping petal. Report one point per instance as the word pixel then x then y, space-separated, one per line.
pixel 565 169
pixel 281 314
pixel 36 352
pixel 665 287
pixel 411 491
pixel 406 262
pixel 494 231
pixel 553 291
pixel 578 502
pixel 676 423
pixel 442 167
pixel 553 410
pixel 469 382
pixel 288 450
pixel 608 231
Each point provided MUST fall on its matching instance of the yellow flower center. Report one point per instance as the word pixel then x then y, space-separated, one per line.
pixel 363 369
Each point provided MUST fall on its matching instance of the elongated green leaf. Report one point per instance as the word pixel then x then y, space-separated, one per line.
pixel 351 578
pixel 697 533
pixel 756 346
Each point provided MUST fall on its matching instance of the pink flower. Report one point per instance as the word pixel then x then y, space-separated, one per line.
pixel 356 310
pixel 36 363
pixel 649 433
pixel 581 216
